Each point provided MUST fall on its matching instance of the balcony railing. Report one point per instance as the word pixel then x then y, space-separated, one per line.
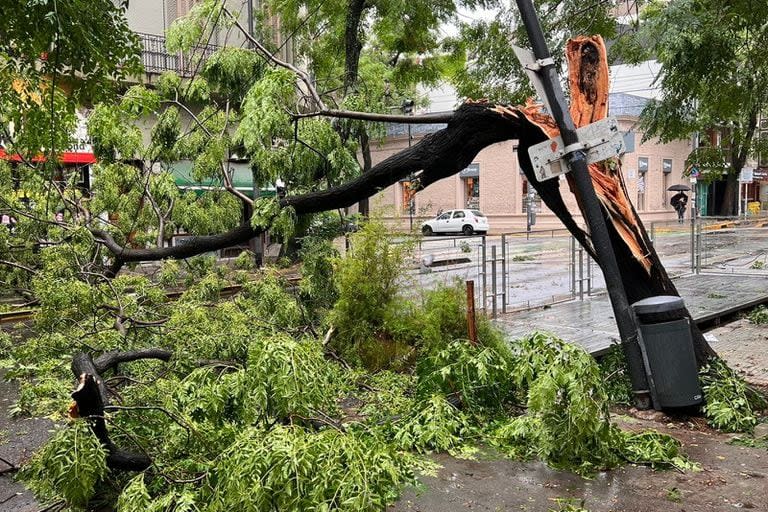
pixel 157 59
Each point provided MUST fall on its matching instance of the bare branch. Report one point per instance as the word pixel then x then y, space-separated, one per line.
pixel 112 358
pixel 19 266
pixel 266 53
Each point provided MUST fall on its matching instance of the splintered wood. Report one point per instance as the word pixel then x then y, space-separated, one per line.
pixel 588 80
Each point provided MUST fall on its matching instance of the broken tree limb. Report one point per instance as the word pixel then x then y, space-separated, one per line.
pixel 110 359
pixel 641 271
pixel 90 398
pixel 471 128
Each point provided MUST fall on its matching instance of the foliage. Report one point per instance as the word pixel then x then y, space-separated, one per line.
pixel 730 403
pixel 713 73
pixel 367 281
pixel 433 425
pixel 752 442
pixel 482 63
pixel 565 394
pixel 264 420
pixel 86 44
pixel 569 505
pixel 478 376
pixel 655 449
pixel 69 466
pixel 613 365
pixel 759 315
pixel 317 287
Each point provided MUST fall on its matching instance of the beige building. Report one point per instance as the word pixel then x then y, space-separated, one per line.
pixel 494 183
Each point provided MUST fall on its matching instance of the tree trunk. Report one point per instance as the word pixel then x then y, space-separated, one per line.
pixel 729 207
pixel 363 207
pixel 641 271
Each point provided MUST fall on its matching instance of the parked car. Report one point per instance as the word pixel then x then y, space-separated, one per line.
pixel 457 221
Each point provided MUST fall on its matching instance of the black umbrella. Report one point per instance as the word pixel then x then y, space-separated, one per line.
pixel 679 188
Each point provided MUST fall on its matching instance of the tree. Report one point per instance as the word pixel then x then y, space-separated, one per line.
pixel 235 404
pixel 309 153
pixel 714 76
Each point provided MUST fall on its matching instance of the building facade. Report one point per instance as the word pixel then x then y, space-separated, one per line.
pixel 495 184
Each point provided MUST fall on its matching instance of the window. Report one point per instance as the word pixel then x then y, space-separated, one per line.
pixel 444 216
pixel 666 165
pixel 664 187
pixel 642 164
pixel 472 192
pixel 641 191
pixel 763 155
pixel 458 214
pixel 408 195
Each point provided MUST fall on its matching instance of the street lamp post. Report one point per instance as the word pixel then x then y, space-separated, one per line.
pixel 593 214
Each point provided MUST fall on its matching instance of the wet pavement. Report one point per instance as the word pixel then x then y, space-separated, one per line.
pixel 731 478
pixel 590 323
pixel 19 438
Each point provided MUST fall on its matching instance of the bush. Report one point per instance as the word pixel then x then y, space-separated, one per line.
pixel 367 281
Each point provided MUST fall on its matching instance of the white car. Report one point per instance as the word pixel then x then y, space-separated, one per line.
pixel 457 221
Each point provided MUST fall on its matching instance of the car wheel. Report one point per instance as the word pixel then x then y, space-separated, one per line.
pixel 426 231
pixel 467 230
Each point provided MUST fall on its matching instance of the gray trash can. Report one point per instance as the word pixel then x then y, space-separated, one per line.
pixel 668 347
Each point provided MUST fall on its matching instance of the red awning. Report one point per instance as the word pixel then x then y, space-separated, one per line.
pixel 67 157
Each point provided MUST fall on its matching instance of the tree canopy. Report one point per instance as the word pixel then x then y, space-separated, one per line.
pixel 714 76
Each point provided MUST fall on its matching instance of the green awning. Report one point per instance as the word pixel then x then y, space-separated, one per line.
pixel 242 179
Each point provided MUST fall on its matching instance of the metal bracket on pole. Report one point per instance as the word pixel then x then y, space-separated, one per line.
pixel 600 141
pixel 531 65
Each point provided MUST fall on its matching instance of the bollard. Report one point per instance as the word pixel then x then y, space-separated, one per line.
pixel 493 280
pixel 503 273
pixel 471 322
pixel 581 273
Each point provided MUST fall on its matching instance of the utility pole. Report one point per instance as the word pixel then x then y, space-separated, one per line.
pixel 576 159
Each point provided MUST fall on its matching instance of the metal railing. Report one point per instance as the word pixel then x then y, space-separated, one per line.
pixel 524 270
pixel 713 244
pixel 157 59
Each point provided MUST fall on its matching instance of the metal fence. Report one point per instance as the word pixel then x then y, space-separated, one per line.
pixel 524 270
pixel 713 245
pixel 157 59
pixel 512 271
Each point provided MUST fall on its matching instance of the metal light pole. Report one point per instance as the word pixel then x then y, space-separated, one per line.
pixel 576 160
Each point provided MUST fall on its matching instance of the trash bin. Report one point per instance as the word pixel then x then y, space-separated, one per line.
pixel 668 350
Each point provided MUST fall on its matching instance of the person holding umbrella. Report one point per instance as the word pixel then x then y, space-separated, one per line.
pixel 679 201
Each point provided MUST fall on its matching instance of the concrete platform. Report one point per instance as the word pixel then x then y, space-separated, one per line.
pixel 591 324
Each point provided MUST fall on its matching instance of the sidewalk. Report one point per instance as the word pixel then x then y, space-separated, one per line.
pixel 591 323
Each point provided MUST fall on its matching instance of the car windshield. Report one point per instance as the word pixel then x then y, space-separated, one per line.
pixel 477 213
